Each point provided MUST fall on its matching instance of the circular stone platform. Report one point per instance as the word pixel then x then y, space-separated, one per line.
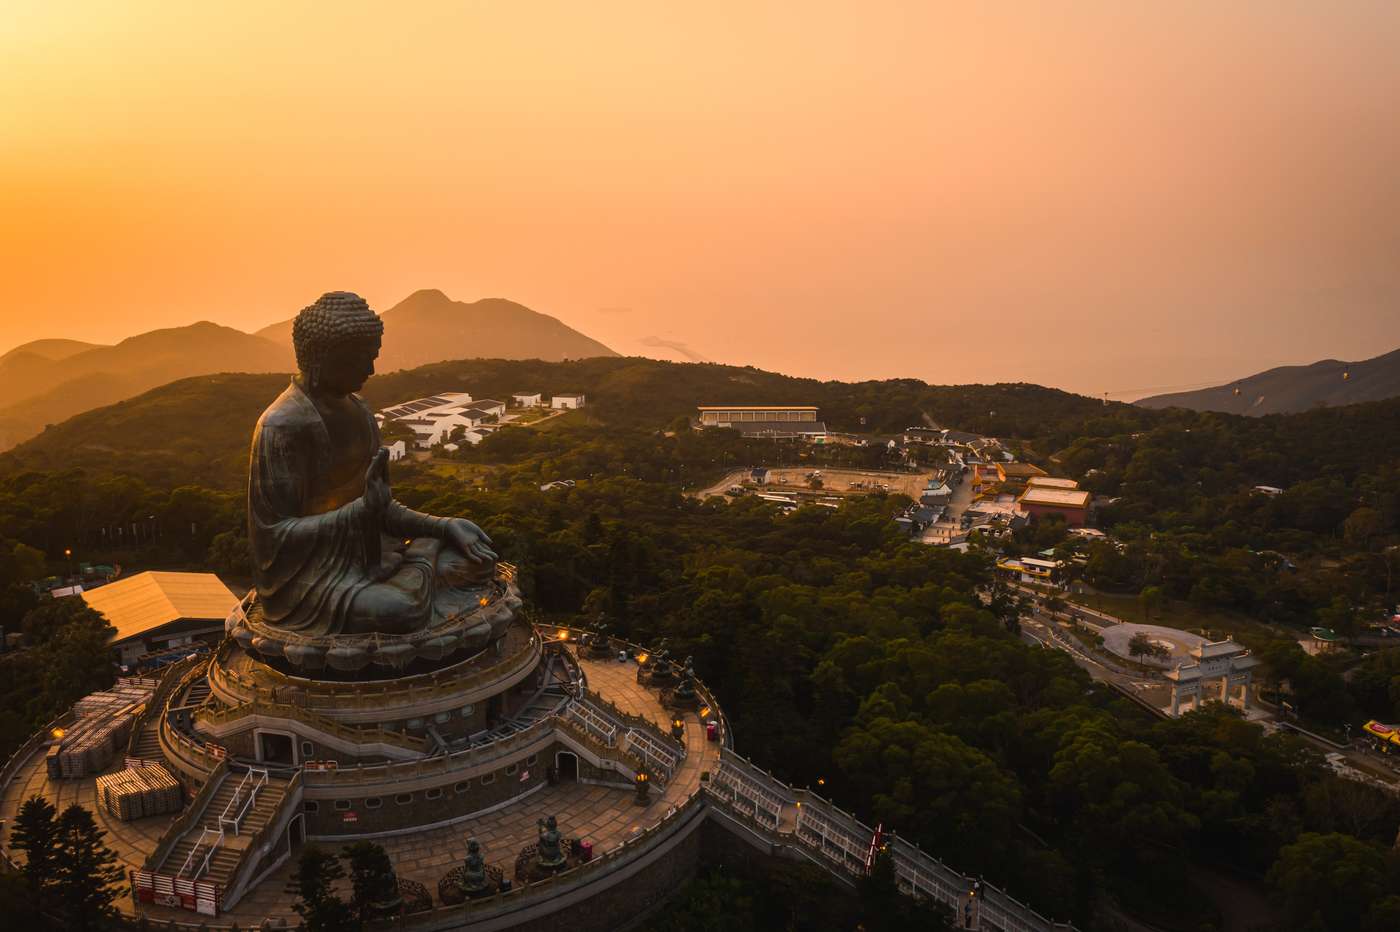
pixel 1180 643
pixel 496 603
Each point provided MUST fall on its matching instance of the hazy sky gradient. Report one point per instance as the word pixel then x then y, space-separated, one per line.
pixel 1103 196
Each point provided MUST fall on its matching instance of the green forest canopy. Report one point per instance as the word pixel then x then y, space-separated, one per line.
pixel 840 650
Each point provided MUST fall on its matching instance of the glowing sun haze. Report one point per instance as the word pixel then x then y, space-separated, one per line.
pixel 1103 196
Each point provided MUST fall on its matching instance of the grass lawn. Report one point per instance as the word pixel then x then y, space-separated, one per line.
pixel 578 417
pixel 462 472
pixel 528 416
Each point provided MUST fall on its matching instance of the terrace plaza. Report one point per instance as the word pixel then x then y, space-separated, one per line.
pixel 613 721
pixel 590 802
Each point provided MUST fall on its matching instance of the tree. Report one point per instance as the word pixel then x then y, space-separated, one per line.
pixel 36 834
pixel 313 884
pixel 1361 526
pixel 1151 598
pixel 1340 615
pixel 54 615
pixel 371 876
pixel 1329 880
pixel 1140 644
pixel 76 661
pixel 1383 916
pixel 230 555
pixel 1121 806
pixel 713 903
pixel 885 909
pixel 87 877
pixel 21 564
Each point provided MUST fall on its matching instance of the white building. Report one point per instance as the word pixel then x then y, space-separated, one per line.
pixel 420 406
pixel 438 426
pixel 1220 668
pixel 397 450
pixel 566 401
pixel 489 407
pixel 433 419
pixel 527 399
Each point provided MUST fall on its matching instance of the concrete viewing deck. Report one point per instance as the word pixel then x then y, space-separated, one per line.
pixel 604 815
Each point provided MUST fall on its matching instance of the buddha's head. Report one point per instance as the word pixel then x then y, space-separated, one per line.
pixel 337 340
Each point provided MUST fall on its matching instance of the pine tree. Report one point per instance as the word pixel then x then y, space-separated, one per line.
pixel 372 876
pixel 36 834
pixel 87 878
pixel 320 909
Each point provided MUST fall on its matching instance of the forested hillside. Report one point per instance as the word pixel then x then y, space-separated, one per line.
pixel 197 429
pixel 843 652
pixel 1185 495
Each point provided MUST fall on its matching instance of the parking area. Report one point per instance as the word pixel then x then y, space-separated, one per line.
pixel 850 481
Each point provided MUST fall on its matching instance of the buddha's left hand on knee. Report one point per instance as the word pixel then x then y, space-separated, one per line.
pixel 470 540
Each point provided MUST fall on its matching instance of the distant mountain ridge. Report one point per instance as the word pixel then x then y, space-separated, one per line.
pixel 48 381
pixel 1291 389
pixel 46 390
pixel 428 327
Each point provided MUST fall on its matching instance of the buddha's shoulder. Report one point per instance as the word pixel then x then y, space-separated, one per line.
pixel 291 412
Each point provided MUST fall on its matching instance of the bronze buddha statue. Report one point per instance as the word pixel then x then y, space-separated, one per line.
pixel 333 552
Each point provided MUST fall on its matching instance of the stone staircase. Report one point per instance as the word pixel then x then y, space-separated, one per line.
pixel 546 700
pixel 196 694
pixel 147 745
pixel 186 857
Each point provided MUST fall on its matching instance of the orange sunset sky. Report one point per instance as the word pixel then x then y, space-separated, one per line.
pixel 1102 196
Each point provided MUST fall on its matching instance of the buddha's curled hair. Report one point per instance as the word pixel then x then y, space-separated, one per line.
pixel 337 318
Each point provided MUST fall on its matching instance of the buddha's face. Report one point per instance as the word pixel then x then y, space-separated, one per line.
pixel 346 368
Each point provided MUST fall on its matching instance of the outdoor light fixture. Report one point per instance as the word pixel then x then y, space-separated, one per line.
pixel 563 634
pixel 58 732
pixel 641 658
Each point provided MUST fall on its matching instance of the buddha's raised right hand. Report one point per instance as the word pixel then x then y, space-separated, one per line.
pixel 377 492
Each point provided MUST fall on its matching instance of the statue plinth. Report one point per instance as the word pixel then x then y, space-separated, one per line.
pixel 471 631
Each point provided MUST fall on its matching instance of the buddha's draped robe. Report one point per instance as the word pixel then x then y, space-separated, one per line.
pixel 316 554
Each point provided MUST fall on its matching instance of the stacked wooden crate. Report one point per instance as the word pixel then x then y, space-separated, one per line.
pixel 104 721
pixel 138 792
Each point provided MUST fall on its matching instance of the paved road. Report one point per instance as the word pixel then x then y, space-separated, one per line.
pixel 1358 764
pixel 734 478
pixel 962 498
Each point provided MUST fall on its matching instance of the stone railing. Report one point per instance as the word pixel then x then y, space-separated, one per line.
pixel 625 720
pixel 918 873
pixel 444 765
pixel 180 748
pixel 186 679
pixel 492 908
pixel 185 821
pixel 212 719
pixel 519 897
pixel 583 736
pixel 155 705
pixel 707 698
